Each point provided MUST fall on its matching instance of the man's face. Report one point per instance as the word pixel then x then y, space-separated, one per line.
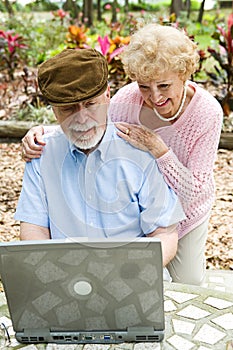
pixel 84 123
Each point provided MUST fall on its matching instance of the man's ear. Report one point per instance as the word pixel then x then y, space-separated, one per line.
pixel 107 92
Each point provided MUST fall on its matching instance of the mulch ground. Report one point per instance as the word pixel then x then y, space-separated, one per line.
pixel 219 248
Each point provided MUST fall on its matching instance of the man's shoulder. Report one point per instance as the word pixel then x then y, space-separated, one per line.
pixel 124 149
pixel 55 139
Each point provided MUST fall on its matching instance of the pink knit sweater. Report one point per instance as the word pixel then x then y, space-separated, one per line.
pixel 192 140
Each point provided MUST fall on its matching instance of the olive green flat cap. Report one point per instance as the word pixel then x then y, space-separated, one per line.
pixel 73 76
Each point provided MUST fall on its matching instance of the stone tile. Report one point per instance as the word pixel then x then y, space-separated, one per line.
pixel 180 343
pixel 216 279
pixel 221 289
pixel 96 347
pixel 218 303
pixel 209 335
pixel 183 326
pixel 224 321
pixel 219 280
pixel 64 347
pixel 169 306
pixel 180 297
pixel 123 346
pixel 2 299
pixel 147 346
pixel 5 321
pixel 30 347
pixel 193 312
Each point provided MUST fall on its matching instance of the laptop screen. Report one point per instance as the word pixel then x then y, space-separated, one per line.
pixel 83 286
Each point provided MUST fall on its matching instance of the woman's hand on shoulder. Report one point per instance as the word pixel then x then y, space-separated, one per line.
pixel 142 138
pixel 32 143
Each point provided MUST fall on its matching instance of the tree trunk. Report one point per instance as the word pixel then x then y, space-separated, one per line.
pixel 8 7
pixel 126 6
pixel 201 11
pixel 188 7
pixel 87 12
pixel 176 7
pixel 99 11
pixel 114 14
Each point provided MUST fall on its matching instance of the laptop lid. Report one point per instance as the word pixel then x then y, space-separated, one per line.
pixel 84 291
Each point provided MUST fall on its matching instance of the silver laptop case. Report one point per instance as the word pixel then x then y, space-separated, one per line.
pixel 84 292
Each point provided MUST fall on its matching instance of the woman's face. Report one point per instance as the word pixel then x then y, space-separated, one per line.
pixel 164 93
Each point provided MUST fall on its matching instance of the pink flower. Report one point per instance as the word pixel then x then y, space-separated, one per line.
pixel 107 7
pixel 12 41
pixel 115 53
pixel 104 44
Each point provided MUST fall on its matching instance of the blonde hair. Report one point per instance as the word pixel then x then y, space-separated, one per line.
pixel 156 49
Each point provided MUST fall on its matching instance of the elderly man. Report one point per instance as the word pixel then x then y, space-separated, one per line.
pixel 89 182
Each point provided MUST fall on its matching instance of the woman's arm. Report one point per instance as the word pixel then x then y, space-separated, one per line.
pixel 32 142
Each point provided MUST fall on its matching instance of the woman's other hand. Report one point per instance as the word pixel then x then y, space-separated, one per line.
pixel 143 138
pixel 32 143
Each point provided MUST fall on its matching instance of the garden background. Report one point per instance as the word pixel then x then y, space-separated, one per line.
pixel 29 34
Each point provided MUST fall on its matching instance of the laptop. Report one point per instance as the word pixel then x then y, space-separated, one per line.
pixel 82 291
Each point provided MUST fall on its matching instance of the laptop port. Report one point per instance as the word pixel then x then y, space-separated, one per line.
pixel 107 337
pixel 58 337
pixel 88 337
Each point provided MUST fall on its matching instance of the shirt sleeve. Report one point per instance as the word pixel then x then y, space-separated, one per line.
pixel 32 204
pixel 160 206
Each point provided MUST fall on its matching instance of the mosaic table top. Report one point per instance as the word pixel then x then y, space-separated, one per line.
pixel 196 319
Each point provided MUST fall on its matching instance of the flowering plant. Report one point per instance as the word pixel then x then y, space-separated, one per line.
pixel 9 47
pixel 110 48
pixel 77 36
pixel 224 56
pixel 61 14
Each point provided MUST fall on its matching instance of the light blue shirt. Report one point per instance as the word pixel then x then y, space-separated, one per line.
pixel 115 191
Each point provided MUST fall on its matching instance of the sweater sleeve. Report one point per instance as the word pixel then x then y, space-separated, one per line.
pixel 192 178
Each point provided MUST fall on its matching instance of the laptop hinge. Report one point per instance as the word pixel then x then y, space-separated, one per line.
pixel 140 330
pixel 36 331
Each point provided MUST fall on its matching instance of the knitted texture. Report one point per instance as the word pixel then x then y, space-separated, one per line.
pixel 193 142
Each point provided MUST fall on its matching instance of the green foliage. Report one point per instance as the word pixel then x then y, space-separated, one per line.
pixel 47 34
pixel 42 5
pixel 41 115
pixel 149 7
pixel 41 36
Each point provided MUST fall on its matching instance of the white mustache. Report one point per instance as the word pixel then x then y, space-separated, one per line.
pixel 81 127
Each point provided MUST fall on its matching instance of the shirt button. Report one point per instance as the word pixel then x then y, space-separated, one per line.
pixel 89 197
pixel 89 171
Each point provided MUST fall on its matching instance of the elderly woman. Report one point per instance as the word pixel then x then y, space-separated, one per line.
pixel 178 122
